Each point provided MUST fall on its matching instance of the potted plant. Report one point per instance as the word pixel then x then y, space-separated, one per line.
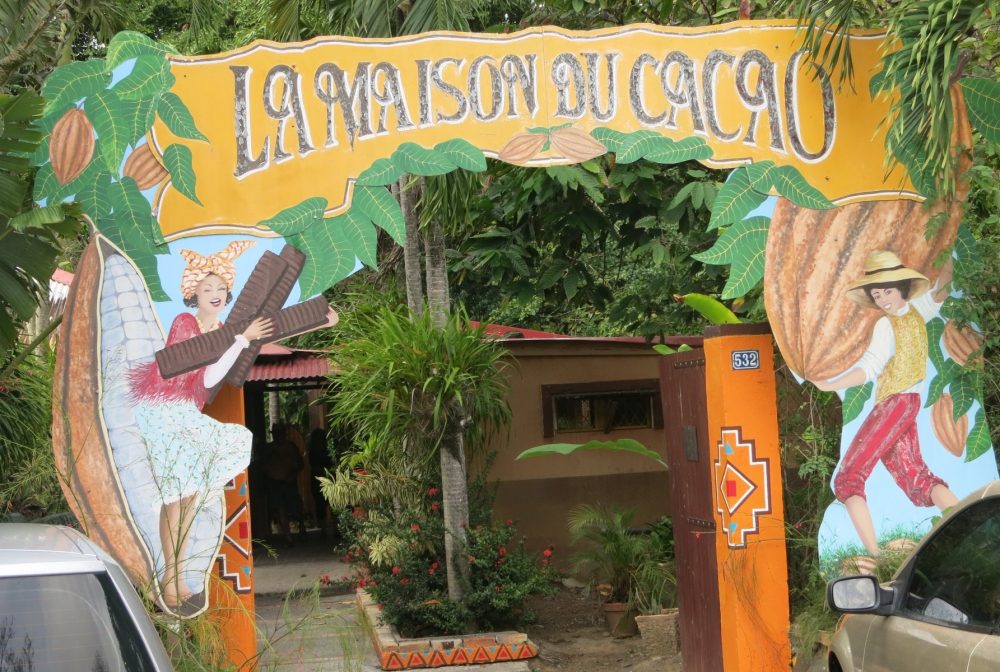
pixel 654 598
pixel 611 555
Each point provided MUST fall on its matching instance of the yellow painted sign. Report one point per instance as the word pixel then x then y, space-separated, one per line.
pixel 287 122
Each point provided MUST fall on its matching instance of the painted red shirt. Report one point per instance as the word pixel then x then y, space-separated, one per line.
pixel 147 383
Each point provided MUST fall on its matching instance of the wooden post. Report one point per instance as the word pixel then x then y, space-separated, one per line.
pixel 231 598
pixel 747 493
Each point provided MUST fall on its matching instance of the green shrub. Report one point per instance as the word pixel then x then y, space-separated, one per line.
pixel 405 571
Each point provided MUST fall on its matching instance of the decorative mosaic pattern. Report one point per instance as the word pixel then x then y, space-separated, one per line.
pixel 395 653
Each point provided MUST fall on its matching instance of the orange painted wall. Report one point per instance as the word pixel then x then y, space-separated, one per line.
pixel 753 579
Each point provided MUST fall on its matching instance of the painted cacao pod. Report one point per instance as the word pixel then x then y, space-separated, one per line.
pixel 813 255
pixel 142 166
pixel 961 343
pixel 576 145
pixel 950 432
pixel 522 148
pixel 71 145
pixel 79 437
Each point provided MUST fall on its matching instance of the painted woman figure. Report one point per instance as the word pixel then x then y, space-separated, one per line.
pixel 896 361
pixel 190 454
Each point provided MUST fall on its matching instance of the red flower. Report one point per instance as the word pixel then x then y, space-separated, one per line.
pixel 396 570
pixel 435 565
pixel 547 552
pixel 510 522
pixel 697 535
pixel 361 472
pixel 362 583
pixel 502 551
pixel 404 582
pixel 432 491
pixel 343 577
pixel 435 506
pixel 414 528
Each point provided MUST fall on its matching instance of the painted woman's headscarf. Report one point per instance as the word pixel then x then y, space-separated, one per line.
pixel 221 264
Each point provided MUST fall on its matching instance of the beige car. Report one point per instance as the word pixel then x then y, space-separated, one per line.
pixel 940 613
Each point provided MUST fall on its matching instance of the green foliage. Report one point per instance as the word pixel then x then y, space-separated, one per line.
pixel 655 579
pixel 651 145
pixel 617 445
pixel 982 98
pixel 809 422
pixel 30 238
pixel 28 480
pixel 397 551
pixel 610 554
pixel 597 248
pixel 709 308
pixel 930 46
pixel 854 401
pixel 741 246
pixel 920 122
pixel 404 382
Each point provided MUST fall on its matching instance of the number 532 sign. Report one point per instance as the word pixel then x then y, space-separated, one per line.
pixel 745 359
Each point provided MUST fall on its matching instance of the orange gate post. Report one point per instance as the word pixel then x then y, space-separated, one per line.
pixel 231 597
pixel 747 493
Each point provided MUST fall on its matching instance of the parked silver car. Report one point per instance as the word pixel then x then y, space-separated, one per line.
pixel 65 605
pixel 940 612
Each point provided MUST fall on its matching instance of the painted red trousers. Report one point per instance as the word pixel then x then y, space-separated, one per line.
pixel 889 435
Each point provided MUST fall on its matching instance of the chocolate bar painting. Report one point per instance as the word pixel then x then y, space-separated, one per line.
pixel 150 482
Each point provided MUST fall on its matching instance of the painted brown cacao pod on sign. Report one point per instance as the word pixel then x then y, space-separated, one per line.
pixel 950 432
pixel 79 437
pixel 813 255
pixel 142 166
pixel 521 148
pixel 576 145
pixel 961 343
pixel 71 145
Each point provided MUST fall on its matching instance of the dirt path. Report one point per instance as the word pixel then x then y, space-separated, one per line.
pixel 572 637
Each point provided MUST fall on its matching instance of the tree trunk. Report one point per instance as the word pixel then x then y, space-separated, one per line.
pixel 438 299
pixel 455 509
pixel 411 250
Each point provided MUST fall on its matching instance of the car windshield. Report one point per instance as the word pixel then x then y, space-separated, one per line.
pixel 66 622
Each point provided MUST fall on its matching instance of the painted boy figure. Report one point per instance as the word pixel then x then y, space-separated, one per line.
pixel 896 360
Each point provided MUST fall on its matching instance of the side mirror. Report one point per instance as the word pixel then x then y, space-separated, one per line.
pixel 858 594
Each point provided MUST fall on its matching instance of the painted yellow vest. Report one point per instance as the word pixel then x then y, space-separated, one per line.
pixel 908 366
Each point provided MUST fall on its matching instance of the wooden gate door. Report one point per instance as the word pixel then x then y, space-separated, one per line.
pixel 685 419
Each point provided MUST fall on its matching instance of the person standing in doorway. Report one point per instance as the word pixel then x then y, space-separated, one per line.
pixel 281 467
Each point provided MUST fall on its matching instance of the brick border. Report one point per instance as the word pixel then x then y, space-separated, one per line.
pixel 398 653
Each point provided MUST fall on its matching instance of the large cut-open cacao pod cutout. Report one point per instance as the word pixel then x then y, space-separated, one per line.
pixel 812 257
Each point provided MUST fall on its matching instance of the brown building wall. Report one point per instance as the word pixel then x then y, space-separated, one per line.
pixel 539 492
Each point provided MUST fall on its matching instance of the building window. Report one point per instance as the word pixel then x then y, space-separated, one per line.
pixel 601 406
